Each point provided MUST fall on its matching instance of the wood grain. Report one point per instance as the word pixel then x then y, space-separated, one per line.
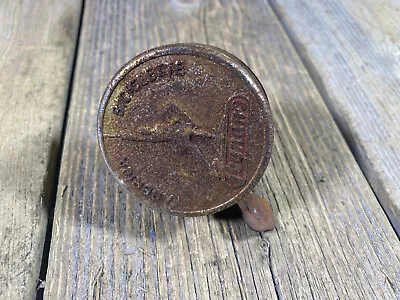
pixel 351 49
pixel 37 44
pixel 332 239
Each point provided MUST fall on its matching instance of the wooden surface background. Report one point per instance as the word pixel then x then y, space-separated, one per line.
pixel 37 45
pixel 356 69
pixel 331 71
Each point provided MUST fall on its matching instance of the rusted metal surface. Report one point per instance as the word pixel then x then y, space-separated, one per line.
pixel 257 212
pixel 186 128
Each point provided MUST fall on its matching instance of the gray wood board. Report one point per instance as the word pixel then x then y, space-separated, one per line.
pixel 351 49
pixel 332 239
pixel 37 44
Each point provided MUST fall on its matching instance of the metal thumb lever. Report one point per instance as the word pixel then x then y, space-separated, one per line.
pixel 257 212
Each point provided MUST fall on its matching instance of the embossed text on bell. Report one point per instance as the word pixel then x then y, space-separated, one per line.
pixel 186 129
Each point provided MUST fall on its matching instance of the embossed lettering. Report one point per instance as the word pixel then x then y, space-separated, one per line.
pixel 132 86
pixel 146 189
pixel 146 76
pixel 119 107
pixel 236 140
pixel 179 69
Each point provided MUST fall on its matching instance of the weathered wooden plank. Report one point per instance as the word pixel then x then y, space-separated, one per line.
pixel 332 239
pixel 37 44
pixel 351 49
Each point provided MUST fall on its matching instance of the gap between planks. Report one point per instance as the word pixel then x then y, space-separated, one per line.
pixel 57 167
pixel 381 183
